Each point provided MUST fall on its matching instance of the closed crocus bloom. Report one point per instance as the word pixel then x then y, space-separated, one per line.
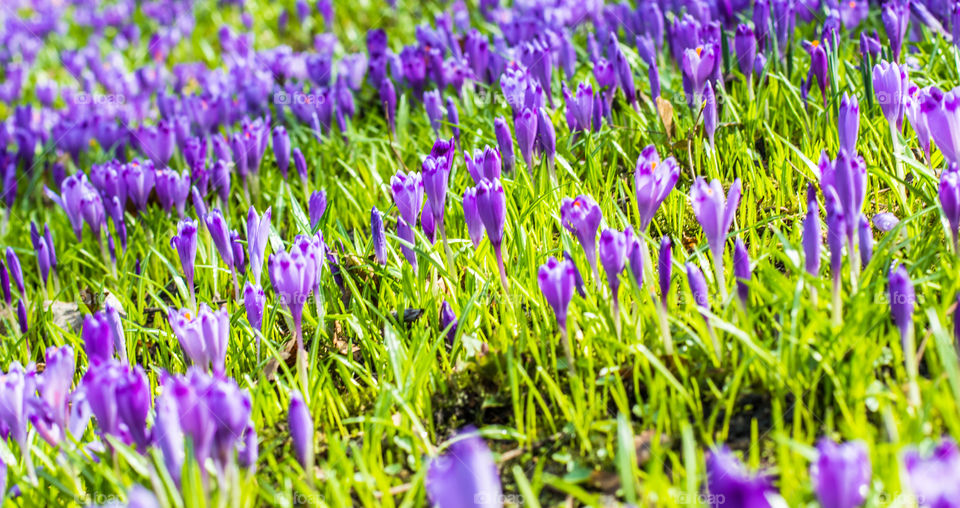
pixel 865 241
pixel 698 286
pixel 54 386
pixel 634 256
pixel 581 216
pixel 841 474
pixel 942 114
pixel 52 252
pixel 203 337
pixel 5 283
pixel 492 208
pixel 453 118
pixel 934 478
pixel 505 142
pixel 258 231
pixel 896 17
pixel 199 206
pixel 97 338
pixel 836 231
pixel 448 321
pixel 709 112
pixel 665 268
pixel 220 175
pixel 848 120
pixel 741 270
pixel 378 236
pixel 812 237
pixel 217 227
pixel 388 97
pixel 745 44
pixel 185 243
pixel 281 149
pixel 139 180
pixel 714 212
pixel 116 329
pixel 300 163
pixel 888 86
pixel 172 189
pixel 902 298
pixel 613 257
pixel 301 430
pixel 731 485
pixel 18 386
pixel 546 136
pixel 254 301
pixel 471 216
pixel 483 164
pixel 526 128
pixel 433 104
pixel 949 194
pixel 133 406
pixel 580 107
pixel 293 275
pixel 16 273
pixel 818 67
pixel 436 176
pixel 846 178
pixel 464 475
pixel 407 189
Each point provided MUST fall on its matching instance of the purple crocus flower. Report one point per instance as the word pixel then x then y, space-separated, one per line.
pixel 492 208
pixel 505 142
pixel 932 477
pixel 902 299
pixel 16 273
pixel 895 15
pixel 18 387
pixel 52 413
pixel 841 474
pixel 846 177
pixel 388 97
pixel 698 65
pixel 139 180
pixel 653 180
pixel 812 237
pixel 203 337
pixel 217 227
pixel 5 283
pixel 741 270
pixel 378 236
pixel 300 163
pixel 848 120
pixel 98 337
pixel 220 174
pixel 818 67
pixel 613 257
pixel 81 202
pixel 949 194
pixel 433 104
pixel 745 44
pixel 448 322
pixel 941 112
pixel 483 164
pixel 301 430
pixel 281 149
pixel 665 268
pixel 731 485
pixel 709 112
pixel 465 475
pixel 185 242
pixel 293 275
pixel 526 128
pixel 546 137
pixel 581 216
pixel 258 231
pixel 436 175
pixel 865 241
pixel 407 189
pixel 714 212
pixel 888 86
pixel 254 301
pixel 472 216
pixel 698 287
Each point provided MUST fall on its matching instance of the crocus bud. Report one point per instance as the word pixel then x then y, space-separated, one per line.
pixel 556 280
pixel 465 474
pixel 709 112
pixel 613 257
pixel 436 175
pixel 634 256
pixel 746 47
pixel 492 207
pixel 848 120
pixel 714 213
pixel 741 270
pixel 50 245
pixel 5 283
pixel 698 286
pixel 22 317
pixel 407 189
pixel 254 301
pixel 238 257
pixel 217 227
pixel 865 243
pixel 293 276
pixel 728 479
pixel 300 163
pixel 888 87
pixel 378 236
pixel 949 194
pixel 258 231
pixel 301 430
pixel 388 97
pixel 97 338
pixel 546 136
pixel 448 322
pixel 185 243
pixel 13 264
pixel 653 181
pixel 433 104
pixel 199 206
pixel 505 142
pixel 172 189
pixel 220 174
pixel 281 149
pixel 453 118
pixel 841 474
pixel 896 18
pixel 578 280
pixel 812 238
pixel 665 268
pixel 902 298
pixel 472 216
pixel 581 216
pixel 525 126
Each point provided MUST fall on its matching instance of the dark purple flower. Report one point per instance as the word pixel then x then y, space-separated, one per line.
pixel 378 236
pixel 895 15
pixel 407 189
pixel 436 175
pixel 741 270
pixel 546 137
pixel 172 189
pixel 556 280
pixel 448 322
pixel 98 337
pixel 941 111
pixel 281 149
pixel 581 216
pixel 847 178
pixel 217 227
pixel 483 164
pixel 254 301
pixel 665 268
pixel 745 44
pixel 731 485
pixel 433 104
pixel 865 241
pixel 902 299
pixel 465 475
pixel 841 474
pixel 138 180
pixel 300 163
pixel 613 257
pixel 301 430
pixel 709 112
pixel 505 142
pixel 848 120
pixel 388 97
pixel 16 273
pixel 472 216
pixel 698 286
pixel 812 237
pixel 818 67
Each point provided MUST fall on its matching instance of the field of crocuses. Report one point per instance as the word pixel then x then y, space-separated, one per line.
pixel 479 253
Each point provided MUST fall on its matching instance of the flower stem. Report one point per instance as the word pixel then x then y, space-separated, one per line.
pixel 721 278
pixel 910 362
pixel 503 271
pixel 837 305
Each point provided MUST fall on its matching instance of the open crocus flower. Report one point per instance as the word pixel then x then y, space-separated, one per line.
pixel 204 337
pixel 293 275
pixel 941 110
pixel 653 180
pixel 698 66
pixel 465 475
pixel 581 216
